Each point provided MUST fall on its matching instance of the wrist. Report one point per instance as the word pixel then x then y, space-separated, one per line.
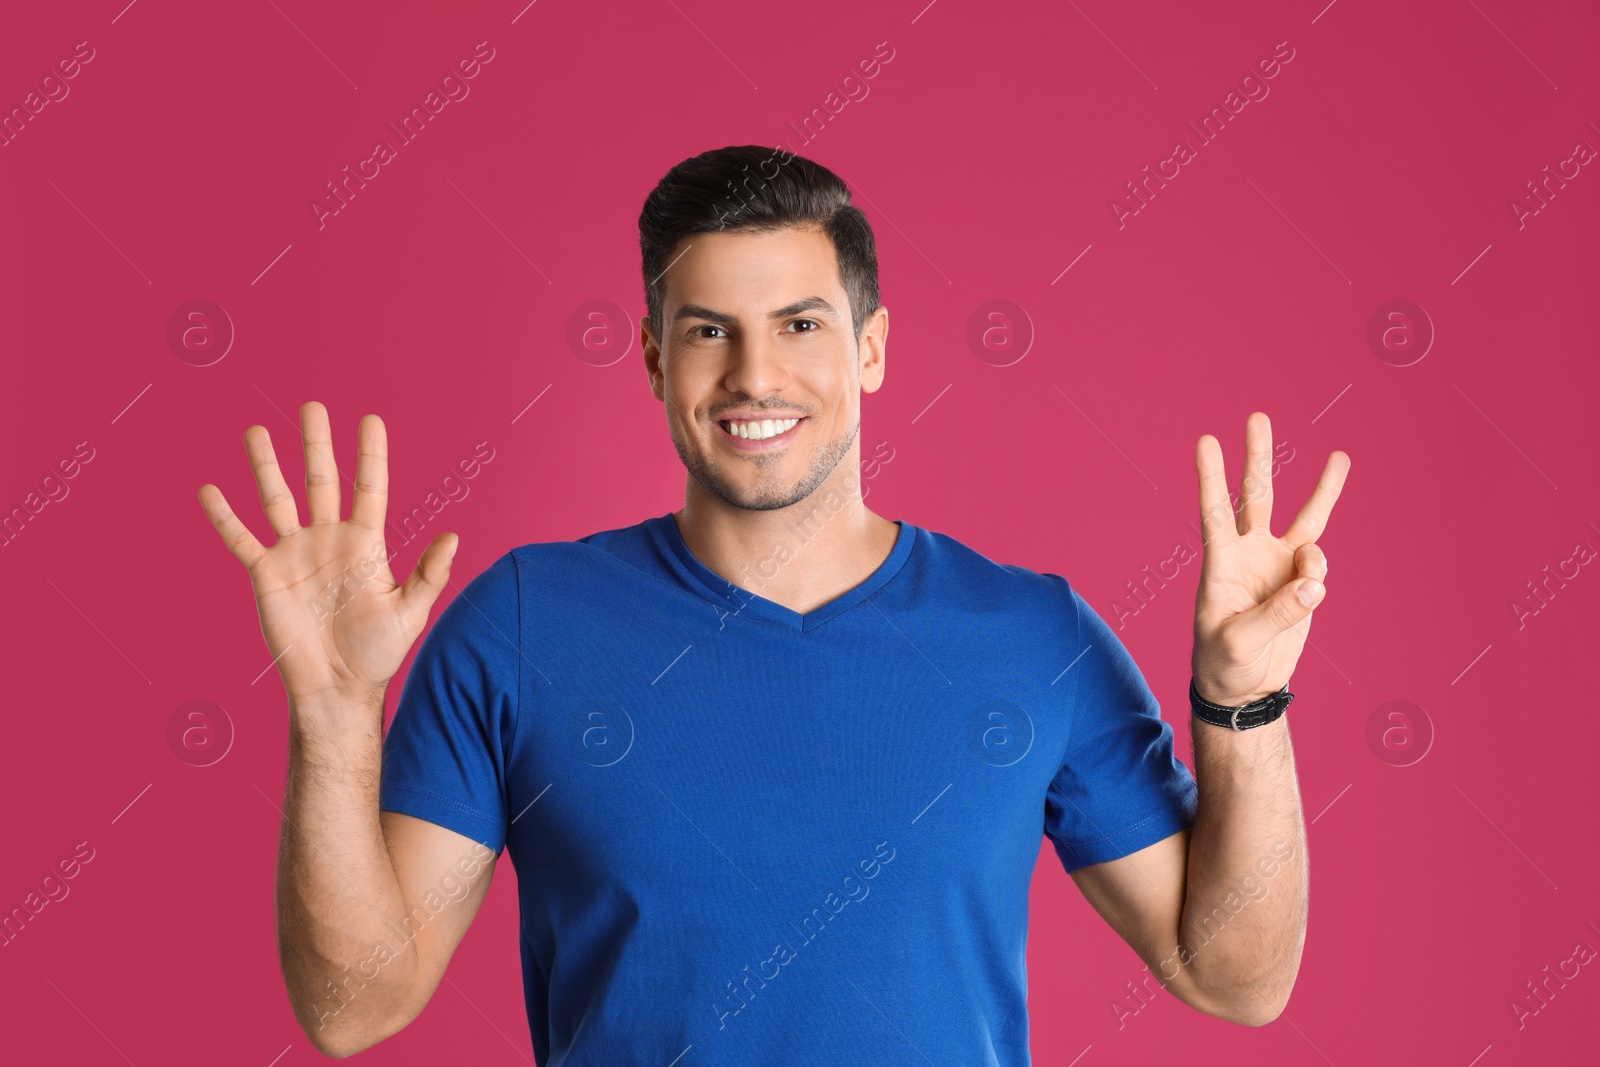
pixel 1216 694
pixel 332 698
pixel 1241 715
pixel 331 715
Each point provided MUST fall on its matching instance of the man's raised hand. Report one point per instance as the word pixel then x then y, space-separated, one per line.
pixel 335 621
pixel 1257 592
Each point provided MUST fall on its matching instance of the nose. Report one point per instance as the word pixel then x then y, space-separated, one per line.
pixel 757 366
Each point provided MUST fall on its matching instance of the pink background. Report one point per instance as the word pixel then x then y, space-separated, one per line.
pixel 1382 166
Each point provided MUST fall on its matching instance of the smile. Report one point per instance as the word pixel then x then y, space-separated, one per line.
pixel 758 430
pixel 759 435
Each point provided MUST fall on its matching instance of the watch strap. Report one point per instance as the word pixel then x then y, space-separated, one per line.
pixel 1245 716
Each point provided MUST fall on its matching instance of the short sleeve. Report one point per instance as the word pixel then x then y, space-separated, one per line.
pixel 447 750
pixel 1120 786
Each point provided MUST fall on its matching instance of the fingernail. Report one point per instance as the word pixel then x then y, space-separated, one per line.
pixel 1309 592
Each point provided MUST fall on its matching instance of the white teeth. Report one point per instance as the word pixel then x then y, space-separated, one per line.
pixel 760 430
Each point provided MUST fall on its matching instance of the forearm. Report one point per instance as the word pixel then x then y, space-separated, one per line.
pixel 1244 914
pixel 336 886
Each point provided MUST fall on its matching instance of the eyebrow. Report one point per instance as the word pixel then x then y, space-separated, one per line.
pixel 810 303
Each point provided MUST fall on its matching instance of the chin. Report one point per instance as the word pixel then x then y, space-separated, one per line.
pixel 762 501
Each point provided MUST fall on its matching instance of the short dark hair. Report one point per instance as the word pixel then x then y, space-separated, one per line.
pixel 730 190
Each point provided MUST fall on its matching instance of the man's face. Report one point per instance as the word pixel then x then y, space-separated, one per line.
pixel 756 329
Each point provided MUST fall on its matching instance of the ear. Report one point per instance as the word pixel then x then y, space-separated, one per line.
pixel 652 358
pixel 870 349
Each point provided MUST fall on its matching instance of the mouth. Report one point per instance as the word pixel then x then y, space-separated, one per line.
pixel 759 435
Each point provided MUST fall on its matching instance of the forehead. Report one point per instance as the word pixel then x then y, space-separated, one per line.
pixel 725 270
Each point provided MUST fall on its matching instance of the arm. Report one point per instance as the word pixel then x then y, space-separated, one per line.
pixel 370 905
pixel 1219 911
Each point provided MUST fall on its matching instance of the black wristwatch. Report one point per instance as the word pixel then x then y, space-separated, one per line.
pixel 1245 716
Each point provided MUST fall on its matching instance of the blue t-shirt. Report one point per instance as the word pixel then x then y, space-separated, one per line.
pixel 747 835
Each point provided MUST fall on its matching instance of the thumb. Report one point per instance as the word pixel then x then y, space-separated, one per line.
pixel 428 577
pixel 1291 605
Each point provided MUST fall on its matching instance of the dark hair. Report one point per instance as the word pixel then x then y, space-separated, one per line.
pixel 730 190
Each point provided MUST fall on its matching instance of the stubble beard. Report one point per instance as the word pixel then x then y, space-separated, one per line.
pixel 765 496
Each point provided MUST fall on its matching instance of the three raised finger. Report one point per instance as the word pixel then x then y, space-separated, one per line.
pixel 1313 518
pixel 1216 510
pixel 1255 488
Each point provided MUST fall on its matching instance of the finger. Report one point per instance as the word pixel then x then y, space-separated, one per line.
pixel 1216 511
pixel 1255 488
pixel 1289 606
pixel 1313 518
pixel 372 474
pixel 427 580
pixel 322 474
pixel 240 541
pixel 1310 562
pixel 276 500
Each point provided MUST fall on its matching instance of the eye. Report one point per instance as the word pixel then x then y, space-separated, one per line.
pixel 695 332
pixel 814 323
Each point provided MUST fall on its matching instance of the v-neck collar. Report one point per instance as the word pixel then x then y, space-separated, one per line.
pixel 742 602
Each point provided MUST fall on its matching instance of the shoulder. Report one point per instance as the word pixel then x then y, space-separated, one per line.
pixel 547 578
pixel 555 564
pixel 990 585
pixel 952 556
pixel 564 583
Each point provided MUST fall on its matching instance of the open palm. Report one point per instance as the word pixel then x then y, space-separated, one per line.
pixel 1257 592
pixel 335 621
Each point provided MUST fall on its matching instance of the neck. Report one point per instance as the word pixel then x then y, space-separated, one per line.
pixel 801 556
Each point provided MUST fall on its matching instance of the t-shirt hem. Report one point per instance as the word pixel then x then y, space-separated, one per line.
pixel 450 814
pixel 1147 831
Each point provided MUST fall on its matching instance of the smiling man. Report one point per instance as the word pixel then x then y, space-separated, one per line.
pixel 773 770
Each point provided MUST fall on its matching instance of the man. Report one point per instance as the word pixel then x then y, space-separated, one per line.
pixel 772 769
